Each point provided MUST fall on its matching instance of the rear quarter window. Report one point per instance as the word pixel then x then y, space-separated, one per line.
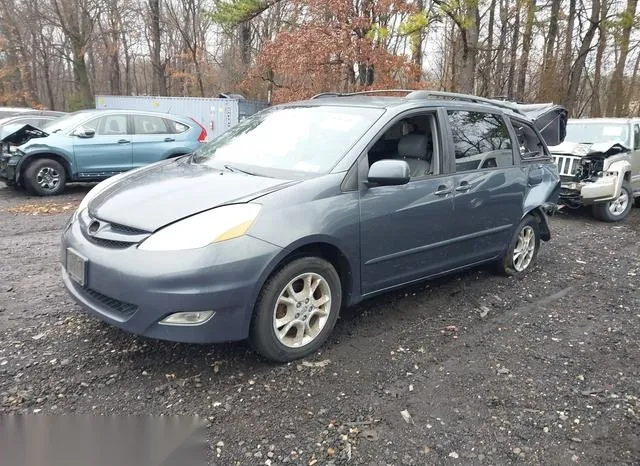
pixel 176 127
pixel 529 144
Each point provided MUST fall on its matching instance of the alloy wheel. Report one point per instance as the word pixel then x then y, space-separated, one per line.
pixel 301 310
pixel 48 178
pixel 525 248
pixel 619 205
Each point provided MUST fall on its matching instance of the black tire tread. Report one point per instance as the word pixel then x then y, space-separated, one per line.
pixel 505 265
pixel 261 335
pixel 31 171
pixel 601 211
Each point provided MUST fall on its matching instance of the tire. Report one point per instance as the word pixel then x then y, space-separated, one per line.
pixel 512 265
pixel 307 320
pixel 45 177
pixel 617 209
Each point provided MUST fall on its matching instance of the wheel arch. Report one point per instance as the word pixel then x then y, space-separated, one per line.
pixel 543 221
pixel 325 248
pixel 322 247
pixel 27 160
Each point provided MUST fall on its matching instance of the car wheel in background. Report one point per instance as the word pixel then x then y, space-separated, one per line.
pixel 296 310
pixel 45 177
pixel 523 248
pixel 617 209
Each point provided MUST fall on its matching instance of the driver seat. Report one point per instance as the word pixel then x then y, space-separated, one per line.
pixel 412 148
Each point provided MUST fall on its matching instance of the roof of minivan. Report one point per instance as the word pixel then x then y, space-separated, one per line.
pixel 385 102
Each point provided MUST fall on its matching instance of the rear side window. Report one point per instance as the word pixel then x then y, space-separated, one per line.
pixel 481 140
pixel 175 127
pixel 149 124
pixel 529 144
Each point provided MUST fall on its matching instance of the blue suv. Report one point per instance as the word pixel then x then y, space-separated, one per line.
pixel 92 145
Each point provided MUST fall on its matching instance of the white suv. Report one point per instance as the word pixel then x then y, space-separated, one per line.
pixel 599 165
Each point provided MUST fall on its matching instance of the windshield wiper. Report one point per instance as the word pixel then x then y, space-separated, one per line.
pixel 231 168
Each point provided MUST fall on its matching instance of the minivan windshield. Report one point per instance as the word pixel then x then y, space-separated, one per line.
pixel 66 122
pixel 592 132
pixel 305 139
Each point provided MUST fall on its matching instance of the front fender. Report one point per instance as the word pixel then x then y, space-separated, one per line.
pixel 620 168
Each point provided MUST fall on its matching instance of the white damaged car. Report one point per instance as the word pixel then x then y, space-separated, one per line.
pixel 599 166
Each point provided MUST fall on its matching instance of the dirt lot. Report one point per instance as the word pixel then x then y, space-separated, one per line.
pixel 491 370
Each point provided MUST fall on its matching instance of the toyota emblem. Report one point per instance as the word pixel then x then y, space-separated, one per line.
pixel 94 227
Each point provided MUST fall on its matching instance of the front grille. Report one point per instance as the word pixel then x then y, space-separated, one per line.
pixel 567 164
pixel 114 305
pixel 126 229
pixel 107 243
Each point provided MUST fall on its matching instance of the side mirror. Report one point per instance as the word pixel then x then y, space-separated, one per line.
pixel 389 172
pixel 84 132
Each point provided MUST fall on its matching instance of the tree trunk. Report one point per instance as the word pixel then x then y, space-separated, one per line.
pixel 469 36
pixel 568 45
pixel 159 82
pixel 616 94
pixel 416 43
pixel 596 109
pixel 245 43
pixel 498 78
pixel 578 66
pixel 633 85
pixel 526 48
pixel 81 77
pixel 548 83
pixel 485 87
pixel 514 54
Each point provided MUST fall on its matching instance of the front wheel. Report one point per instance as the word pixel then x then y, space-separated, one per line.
pixel 296 310
pixel 616 209
pixel 523 248
pixel 45 177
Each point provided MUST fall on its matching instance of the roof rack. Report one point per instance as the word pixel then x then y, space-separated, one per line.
pixel 513 106
pixel 425 94
pixel 348 94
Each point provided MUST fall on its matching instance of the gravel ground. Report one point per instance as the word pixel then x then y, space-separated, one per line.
pixel 471 369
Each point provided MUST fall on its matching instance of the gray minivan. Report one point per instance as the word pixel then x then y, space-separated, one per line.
pixel 269 230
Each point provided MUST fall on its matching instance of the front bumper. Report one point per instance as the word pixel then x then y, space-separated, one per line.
pixel 8 167
pixel 134 289
pixel 588 193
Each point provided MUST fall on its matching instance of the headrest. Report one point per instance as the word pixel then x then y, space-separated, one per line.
pixel 413 146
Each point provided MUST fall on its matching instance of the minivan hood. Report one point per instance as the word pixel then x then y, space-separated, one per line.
pixel 18 133
pixel 159 194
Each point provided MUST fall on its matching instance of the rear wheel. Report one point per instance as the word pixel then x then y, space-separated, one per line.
pixel 523 248
pixel 296 310
pixel 616 209
pixel 45 177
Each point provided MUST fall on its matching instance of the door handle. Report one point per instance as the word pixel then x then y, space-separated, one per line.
pixel 124 141
pixel 464 187
pixel 169 140
pixel 442 190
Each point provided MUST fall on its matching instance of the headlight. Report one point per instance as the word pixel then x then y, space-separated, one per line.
pixel 200 230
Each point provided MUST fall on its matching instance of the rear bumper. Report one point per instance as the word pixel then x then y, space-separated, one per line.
pixel 134 289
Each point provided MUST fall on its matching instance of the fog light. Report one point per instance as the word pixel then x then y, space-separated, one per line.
pixel 188 318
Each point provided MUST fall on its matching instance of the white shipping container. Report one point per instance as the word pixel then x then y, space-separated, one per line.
pixel 215 114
